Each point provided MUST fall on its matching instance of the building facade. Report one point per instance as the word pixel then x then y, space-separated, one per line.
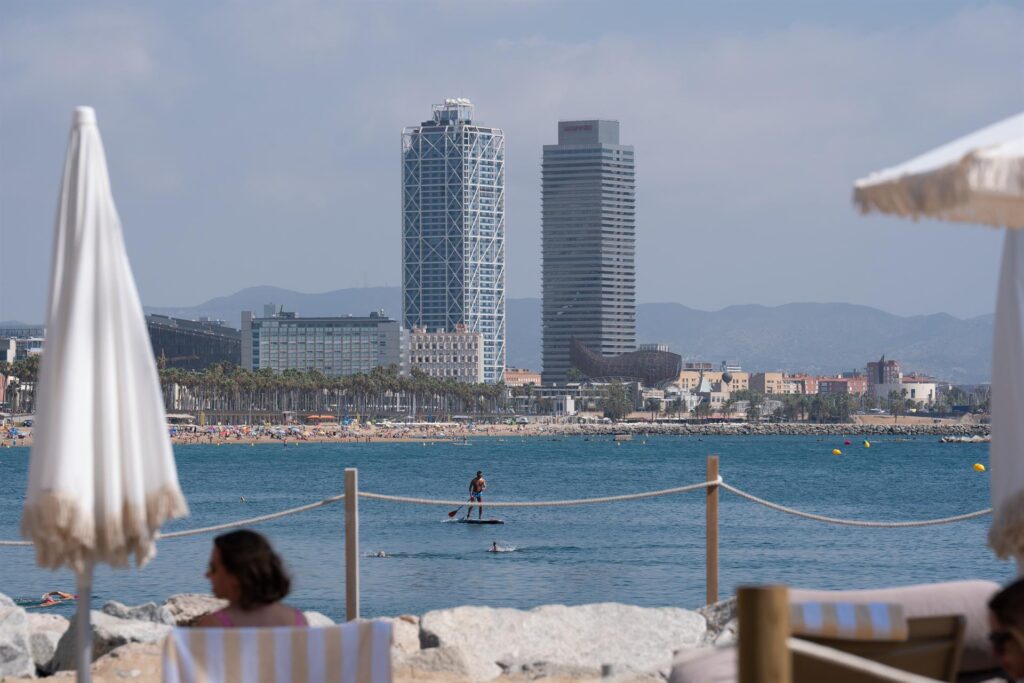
pixel 454 355
pixel 192 344
pixel 588 245
pixel 20 348
pixel 882 375
pixel 691 380
pixel 334 346
pixel 920 390
pixel 453 228
pixel 520 377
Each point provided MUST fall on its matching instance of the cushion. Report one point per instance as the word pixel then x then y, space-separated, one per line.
pixel 969 598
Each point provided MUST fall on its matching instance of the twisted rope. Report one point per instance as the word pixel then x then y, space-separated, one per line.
pixel 543 503
pixel 853 522
pixel 226 525
pixel 252 520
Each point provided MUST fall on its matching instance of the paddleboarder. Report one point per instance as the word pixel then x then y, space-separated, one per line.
pixel 476 492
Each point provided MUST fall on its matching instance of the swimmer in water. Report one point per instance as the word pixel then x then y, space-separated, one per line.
pixel 241 499
pixel 494 547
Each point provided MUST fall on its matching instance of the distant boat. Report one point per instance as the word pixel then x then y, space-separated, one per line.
pixel 623 437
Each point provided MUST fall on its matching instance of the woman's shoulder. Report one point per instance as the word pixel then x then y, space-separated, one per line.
pixel 214 620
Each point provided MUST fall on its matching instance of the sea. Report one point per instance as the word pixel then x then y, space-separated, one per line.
pixel 648 552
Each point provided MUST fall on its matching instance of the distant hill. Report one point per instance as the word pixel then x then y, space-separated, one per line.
pixel 817 338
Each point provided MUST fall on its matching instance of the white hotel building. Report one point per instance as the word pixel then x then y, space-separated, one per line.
pixel 457 355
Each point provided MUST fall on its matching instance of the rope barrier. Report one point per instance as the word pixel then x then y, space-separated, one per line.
pixel 252 520
pixel 565 503
pixel 542 503
pixel 853 522
pixel 226 525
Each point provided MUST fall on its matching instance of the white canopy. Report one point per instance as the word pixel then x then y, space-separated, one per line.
pixel 980 179
pixel 101 475
pixel 976 179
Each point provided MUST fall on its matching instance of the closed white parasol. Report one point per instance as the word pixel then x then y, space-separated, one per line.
pixel 980 179
pixel 101 477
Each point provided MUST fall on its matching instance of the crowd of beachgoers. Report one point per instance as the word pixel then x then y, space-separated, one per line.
pixel 392 432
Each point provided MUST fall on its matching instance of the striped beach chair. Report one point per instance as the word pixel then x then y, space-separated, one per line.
pixel 355 652
pixel 875 621
pixel 879 632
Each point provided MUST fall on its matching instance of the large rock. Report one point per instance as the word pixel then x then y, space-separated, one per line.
pixel 47 622
pixel 135 663
pixel 438 663
pixel 45 631
pixel 317 619
pixel 43 645
pixel 405 634
pixel 722 622
pixel 108 633
pixel 15 648
pixel 620 637
pixel 150 611
pixel 187 608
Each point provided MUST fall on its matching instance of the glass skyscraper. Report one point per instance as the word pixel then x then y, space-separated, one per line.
pixel 453 228
pixel 588 244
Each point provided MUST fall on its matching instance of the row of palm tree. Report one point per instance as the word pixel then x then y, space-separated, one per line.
pixel 20 377
pixel 383 392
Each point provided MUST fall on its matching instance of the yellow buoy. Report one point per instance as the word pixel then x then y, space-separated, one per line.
pixel 978 467
pixel 867 444
pixel 836 451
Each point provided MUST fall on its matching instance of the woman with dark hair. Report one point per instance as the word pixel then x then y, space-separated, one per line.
pixel 245 571
pixel 1006 617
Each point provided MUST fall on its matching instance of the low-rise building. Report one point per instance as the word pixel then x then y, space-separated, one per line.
pixel 804 384
pixel 19 348
pixel 698 366
pixel 690 380
pixel 193 344
pixel 920 390
pixel 520 377
pixel 335 346
pixel 769 383
pixel 454 355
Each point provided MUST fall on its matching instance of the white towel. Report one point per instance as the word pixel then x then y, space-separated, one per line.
pixel 356 652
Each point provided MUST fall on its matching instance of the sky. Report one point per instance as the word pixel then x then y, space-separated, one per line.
pixel 257 142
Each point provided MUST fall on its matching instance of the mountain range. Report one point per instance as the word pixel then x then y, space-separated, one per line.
pixel 820 338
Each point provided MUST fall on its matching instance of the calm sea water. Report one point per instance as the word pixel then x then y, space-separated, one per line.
pixel 648 552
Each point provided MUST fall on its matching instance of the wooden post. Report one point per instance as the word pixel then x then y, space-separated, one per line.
pixel 711 553
pixel 351 543
pixel 764 627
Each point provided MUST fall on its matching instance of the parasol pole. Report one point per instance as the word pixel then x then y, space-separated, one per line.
pixel 83 628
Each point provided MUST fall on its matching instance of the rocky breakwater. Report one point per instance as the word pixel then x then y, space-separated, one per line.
pixel 607 641
pixel 766 429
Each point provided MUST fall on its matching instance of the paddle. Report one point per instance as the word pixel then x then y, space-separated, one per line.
pixel 455 511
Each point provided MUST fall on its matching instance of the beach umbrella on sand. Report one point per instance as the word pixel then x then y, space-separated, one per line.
pixel 980 179
pixel 101 476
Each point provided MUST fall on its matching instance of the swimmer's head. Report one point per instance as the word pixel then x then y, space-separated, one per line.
pixel 479 473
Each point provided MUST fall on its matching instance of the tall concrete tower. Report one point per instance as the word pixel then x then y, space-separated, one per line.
pixel 588 244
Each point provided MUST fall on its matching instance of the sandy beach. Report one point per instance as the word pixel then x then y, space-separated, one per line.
pixel 291 435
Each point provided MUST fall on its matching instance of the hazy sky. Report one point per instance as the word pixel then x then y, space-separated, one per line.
pixel 257 143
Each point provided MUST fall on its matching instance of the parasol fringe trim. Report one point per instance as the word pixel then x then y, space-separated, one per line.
pixel 947 193
pixel 64 532
pixel 1006 535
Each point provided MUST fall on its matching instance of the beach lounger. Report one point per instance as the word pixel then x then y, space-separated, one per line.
pixel 355 652
pixel 842 642
pixel 926 646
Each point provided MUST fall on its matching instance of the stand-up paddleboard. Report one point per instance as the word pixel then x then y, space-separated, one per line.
pixel 480 521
